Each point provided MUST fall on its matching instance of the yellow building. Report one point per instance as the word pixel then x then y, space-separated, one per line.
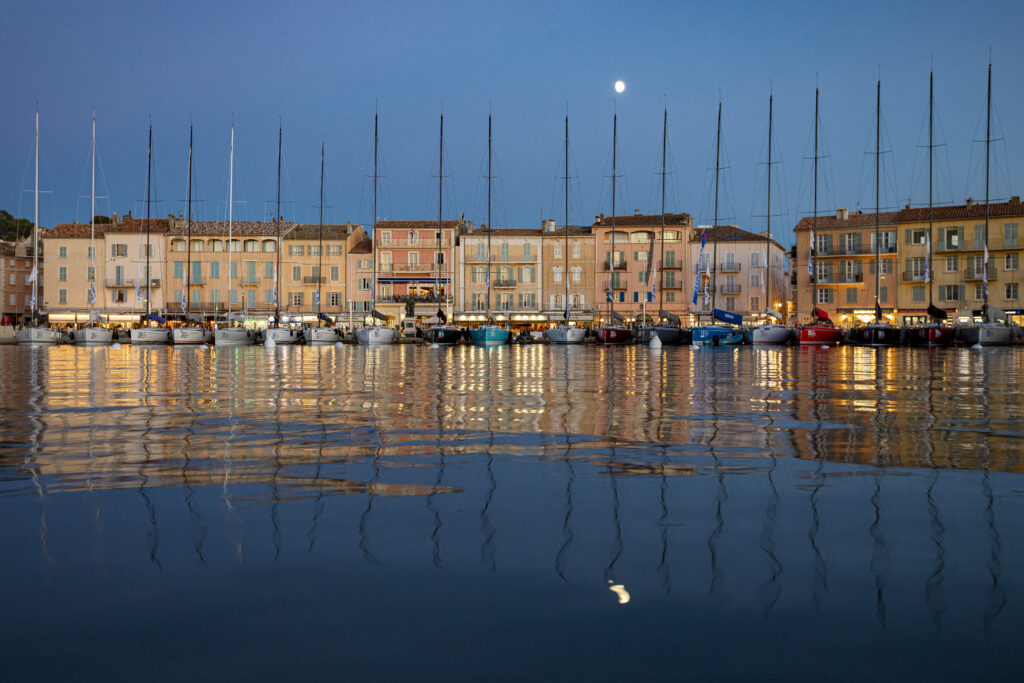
pixel 305 252
pixel 515 283
pixel 560 264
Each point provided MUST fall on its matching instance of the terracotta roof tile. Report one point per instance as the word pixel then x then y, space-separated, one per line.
pixel 962 212
pixel 416 225
pixel 157 226
pixel 72 231
pixel 312 232
pixel 238 228
pixel 365 246
pixel 856 220
pixel 644 220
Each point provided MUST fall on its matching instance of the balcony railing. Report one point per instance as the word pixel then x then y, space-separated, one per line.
pixel 731 289
pixel 504 283
pixel 855 250
pixel 425 243
pixel 910 276
pixel 314 280
pixel 730 267
pixel 618 266
pixel 615 284
pixel 838 279
pixel 250 281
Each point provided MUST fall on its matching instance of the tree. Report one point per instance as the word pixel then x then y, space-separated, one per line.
pixel 12 228
pixel 101 220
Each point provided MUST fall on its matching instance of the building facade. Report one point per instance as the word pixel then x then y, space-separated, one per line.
pixel 15 284
pixel 567 262
pixel 513 279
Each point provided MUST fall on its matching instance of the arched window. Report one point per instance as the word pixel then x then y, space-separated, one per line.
pixel 215 245
pixel 177 245
pixel 235 245
pixel 269 245
pixel 197 245
pixel 252 245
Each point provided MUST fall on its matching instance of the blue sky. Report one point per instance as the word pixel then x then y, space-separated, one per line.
pixel 324 67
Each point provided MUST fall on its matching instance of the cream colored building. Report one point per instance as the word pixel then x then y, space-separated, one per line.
pixel 574 264
pixel 306 251
pixel 515 276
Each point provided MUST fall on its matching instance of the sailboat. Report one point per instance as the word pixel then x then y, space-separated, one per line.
pixel 993 330
pixel 375 335
pixel 821 330
pixel 714 334
pixel 489 334
pixel 36 333
pixel 770 333
pixel 566 333
pixel 322 334
pixel 878 333
pixel 92 334
pixel 187 333
pixel 668 330
pixel 933 333
pixel 150 334
pixel 614 332
pixel 231 335
pixel 277 334
pixel 443 334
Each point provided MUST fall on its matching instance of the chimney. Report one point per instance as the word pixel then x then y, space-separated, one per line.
pixel 1015 199
pixel 970 201
pixel 843 214
pixel 114 220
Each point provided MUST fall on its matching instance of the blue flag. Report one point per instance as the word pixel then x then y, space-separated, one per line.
pixel 696 280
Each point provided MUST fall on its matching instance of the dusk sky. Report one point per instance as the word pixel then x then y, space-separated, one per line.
pixel 324 67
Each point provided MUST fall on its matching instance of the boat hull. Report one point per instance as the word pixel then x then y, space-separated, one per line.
pixel 490 335
pixel 875 335
pixel 375 335
pixel 772 334
pixel 613 335
pixel 820 334
pixel 322 335
pixel 7 335
pixel 93 336
pixel 232 336
pixel 281 335
pixel 994 334
pixel 716 335
pixel 188 335
pixel 444 335
pixel 150 335
pixel 566 334
pixel 38 335
pixel 931 335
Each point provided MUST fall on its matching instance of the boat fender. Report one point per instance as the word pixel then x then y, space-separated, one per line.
pixel 977 347
pixel 338 345
pixel 435 346
pixel 115 345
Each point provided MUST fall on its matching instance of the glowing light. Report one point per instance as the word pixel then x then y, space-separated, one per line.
pixel 620 590
pixel 620 86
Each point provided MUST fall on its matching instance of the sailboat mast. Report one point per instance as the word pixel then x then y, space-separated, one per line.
pixel 188 243
pixel 878 165
pixel 231 196
pixel 768 235
pixel 718 159
pixel 149 168
pixel 661 258
pixel 35 232
pixel 931 152
pixel 277 227
pixel 440 191
pixel 320 263
pixel 611 283
pixel 988 141
pixel 92 223
pixel 566 225
pixel 489 227
pixel 814 209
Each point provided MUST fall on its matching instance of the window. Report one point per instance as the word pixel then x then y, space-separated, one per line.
pixel 233 293
pixel 504 251
pixel 414 238
pixel 526 274
pixel 824 271
pixel 916 268
pixel 825 296
pixel 952 264
pixel 251 246
pixel 334 250
pixel 481 253
pixel 575 249
pixel 576 270
pixel 385 238
pixel 177 296
pixel 851 295
pixel 297 298
pixel 62 296
pixel 235 245
pixel 90 252
pixel 197 272
pixel 670 278
pixel 90 275
pixel 62 273
pixel 755 259
pixel 334 299
pixel 269 246
pixel 216 245
pixel 335 273
pixel 917 293
pixel 1012 261
pixel 414 258
pixel 918 236
pixel 640 255
pixel 365 264
pixel 527 252
pixel 558 275
pixel 670 259
pixel 250 298
pixel 979 292
pixel 197 297
pixel 730 259
pixel 197 245
pixel 479 301
pixel 1011 291
pixel 62 252
pixel 853 242
pixel 527 300
pixel 979 236
pixel 385 260
pixel 755 303
pixel 268 296
pixel 314 272
pixel 296 273
pixel 670 297
pixel 215 270
pixel 479 274
pixel 10 279
pixel 824 244
pixel 215 296
pixel 143 248
pixel 118 250
pixel 558 250
pixel 296 250
pixel 179 269
pixel 755 279
pixel 268 269
pixel 886 242
pixel 364 284
pixel 730 304
pixel 1010 236
pixel 951 292
pixel 234 269
pixel 887 266
pixel 314 250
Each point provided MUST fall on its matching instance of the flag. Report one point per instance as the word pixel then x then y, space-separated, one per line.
pixel 92 293
pixel 810 256
pixel 696 280
pixel 183 304
pixel 764 276
pixel 33 275
pixel 318 295
pixel 984 271
pixel 653 273
pixel 707 286
pixel 138 282
pixel 928 258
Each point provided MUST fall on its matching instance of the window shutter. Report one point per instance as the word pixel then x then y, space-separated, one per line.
pixel 910 237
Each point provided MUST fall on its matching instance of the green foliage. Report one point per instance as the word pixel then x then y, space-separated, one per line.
pixel 101 220
pixel 12 228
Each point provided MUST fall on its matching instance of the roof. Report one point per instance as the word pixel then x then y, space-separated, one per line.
pixel 730 233
pixel 365 246
pixel 506 232
pixel 643 219
pixel 573 230
pixel 417 225
pixel 856 219
pixel 158 226
pixel 72 231
pixel 238 228
pixel 962 212
pixel 312 232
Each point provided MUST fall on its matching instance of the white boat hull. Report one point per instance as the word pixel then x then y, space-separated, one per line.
pixel 375 335
pixel 188 335
pixel 93 336
pixel 232 336
pixel 7 335
pixel 150 335
pixel 281 335
pixel 772 334
pixel 38 335
pixel 994 334
pixel 566 334
pixel 322 335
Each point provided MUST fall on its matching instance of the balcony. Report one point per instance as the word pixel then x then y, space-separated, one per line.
pixel 854 250
pixel 839 279
pixel 730 267
pixel 116 282
pixel 977 273
pixel 154 283
pixel 731 289
pixel 910 276
pixel 504 283
pixel 672 266
pixel 428 299
pixel 618 266
pixel 426 243
pixel 672 284
pixel 250 281
pixel 416 268
pixel 314 280
pixel 615 285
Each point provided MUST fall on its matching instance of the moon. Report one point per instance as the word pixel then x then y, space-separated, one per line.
pixel 620 86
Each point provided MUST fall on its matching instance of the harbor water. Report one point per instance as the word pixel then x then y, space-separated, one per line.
pixel 510 513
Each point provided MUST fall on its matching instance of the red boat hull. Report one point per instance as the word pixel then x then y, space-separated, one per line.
pixel 820 334
pixel 932 335
pixel 613 335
